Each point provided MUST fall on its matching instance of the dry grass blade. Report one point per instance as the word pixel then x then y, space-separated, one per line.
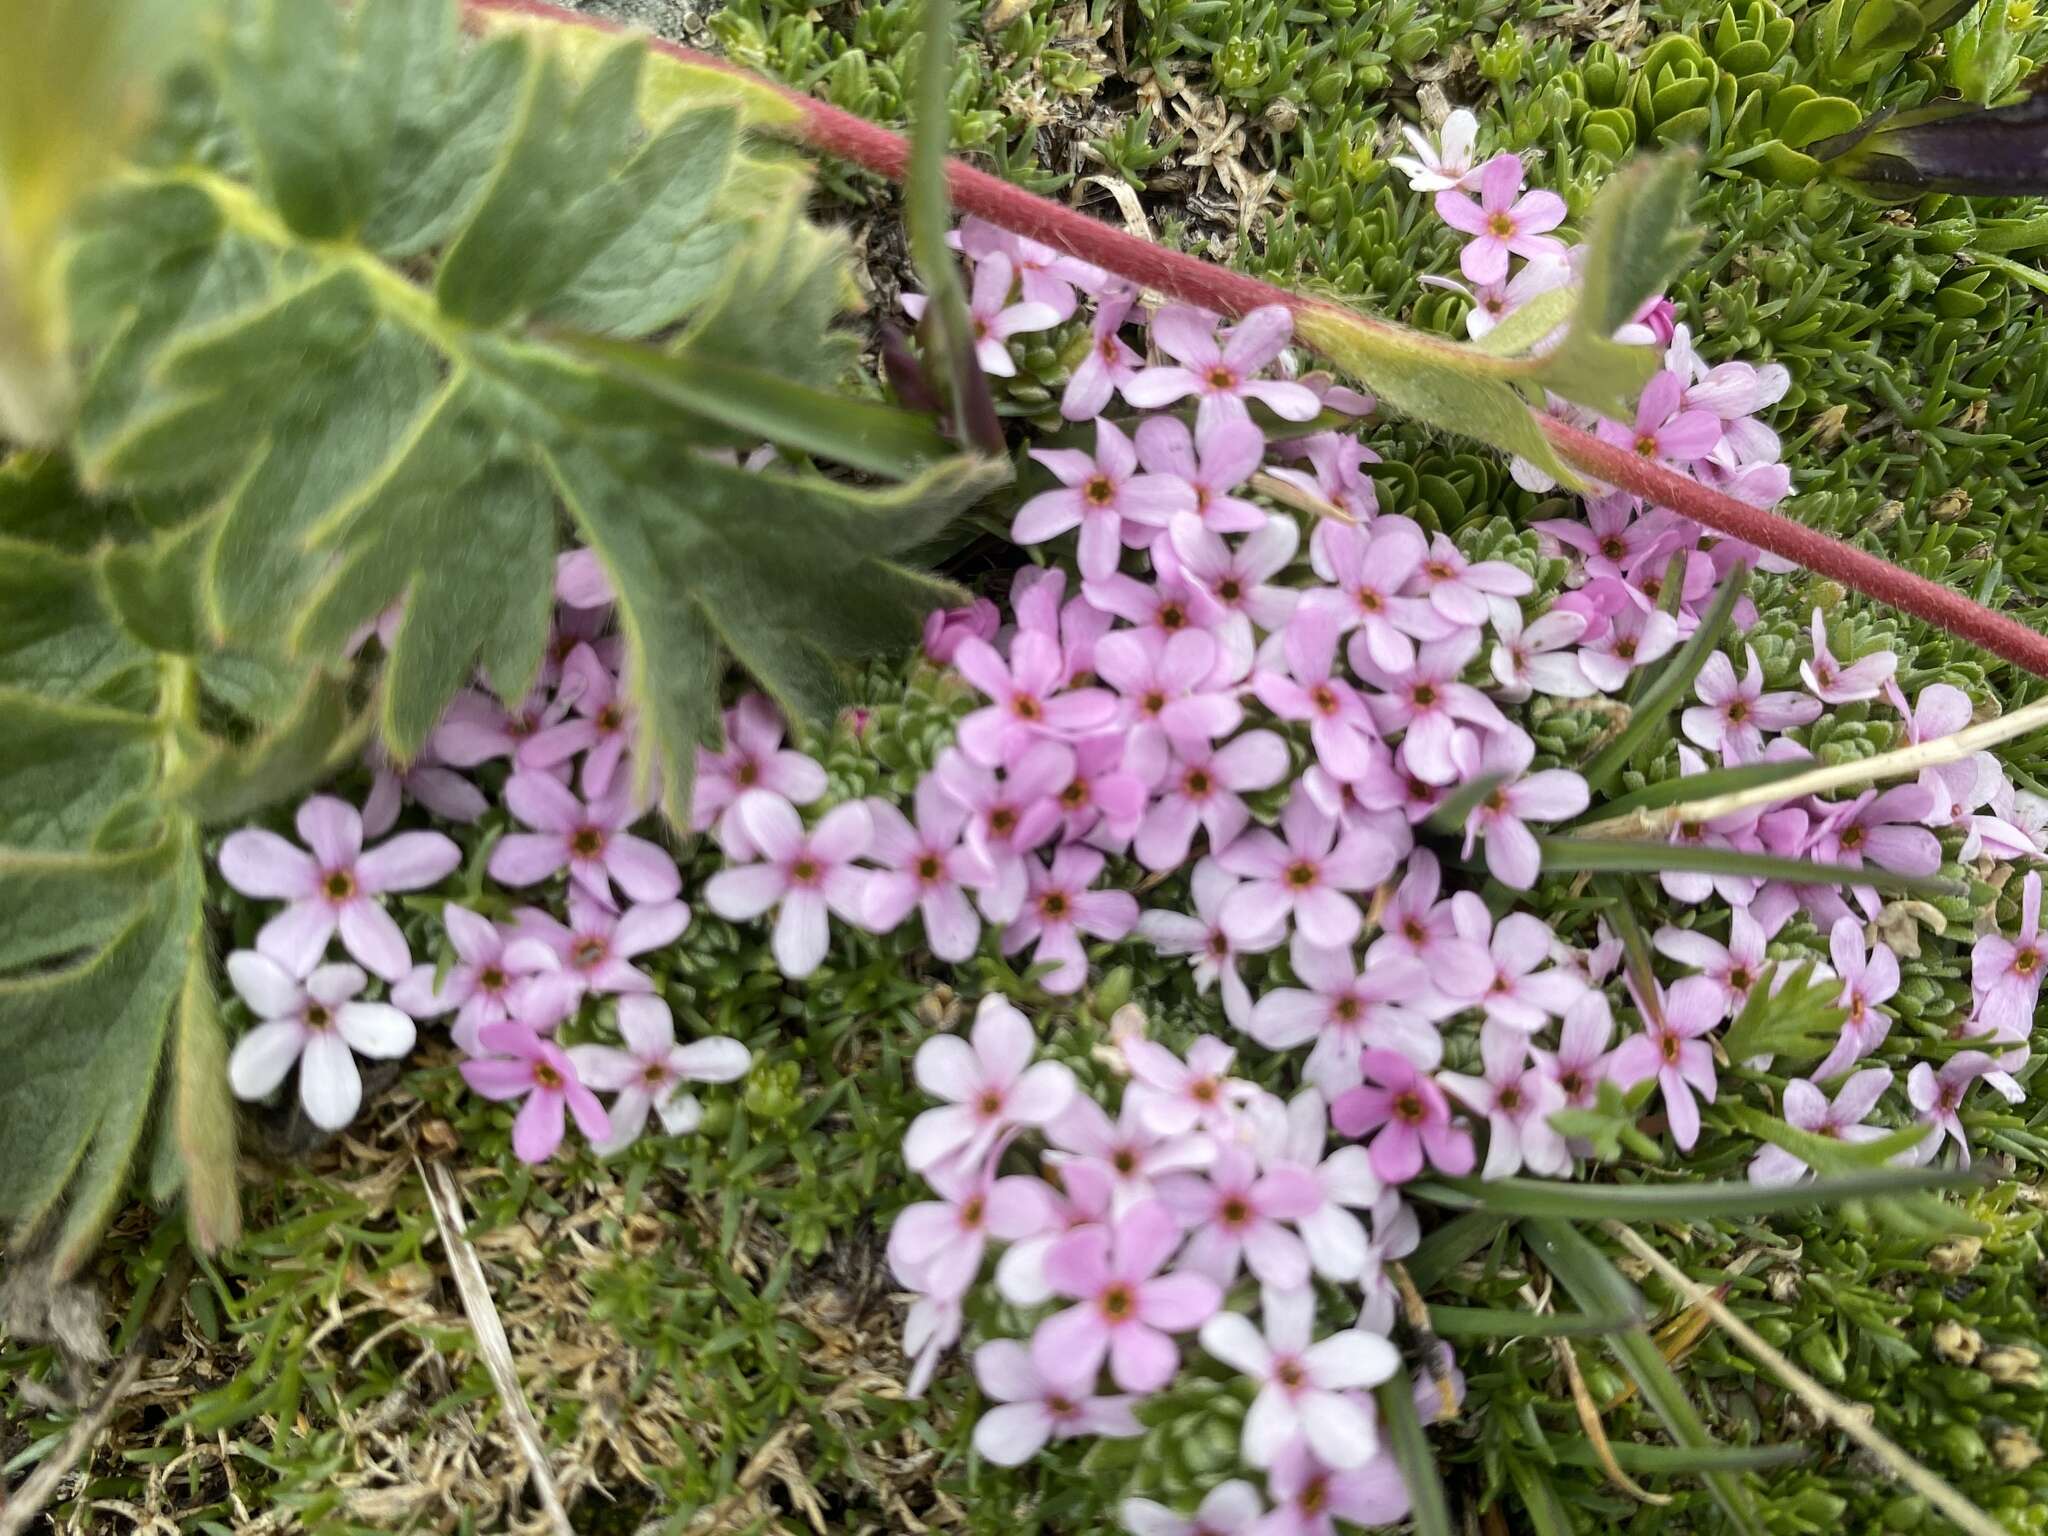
pixel 468 1272
pixel 1903 763
pixel 1596 1432
pixel 1824 1403
pixel 26 1505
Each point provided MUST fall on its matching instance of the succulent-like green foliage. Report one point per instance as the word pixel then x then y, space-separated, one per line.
pixel 366 322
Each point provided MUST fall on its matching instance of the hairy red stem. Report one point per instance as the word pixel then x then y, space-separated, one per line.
pixel 829 130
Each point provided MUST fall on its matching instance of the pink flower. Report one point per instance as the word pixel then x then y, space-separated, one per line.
pixel 1202 936
pixel 1834 683
pixel 1220 374
pixel 2005 974
pixel 580 581
pixel 590 840
pixel 994 318
pixel 1110 363
pixel 1196 784
pixel 1304 877
pixel 542 1073
pixel 1229 1509
pixel 754 758
pixel 1410 1114
pixel 1097 495
pixel 801 873
pixel 1176 1095
pixel 1045 275
pixel 315 1023
pixel 1616 537
pixel 1521 992
pixel 1671 1049
pixel 936 1246
pixel 1941 710
pixel 1531 659
pixel 1345 1011
pixel 1235 1214
pixel 1556 794
pixel 925 868
pixel 1174 687
pixel 1103 802
pixel 1867 982
pixel 425 781
pixel 1445 163
pixel 1171 602
pixel 1633 638
pixel 991 1087
pixel 1395 1234
pixel 475 729
pixel 335 886
pixel 649 1073
pixel 495 975
pixel 1027 705
pixel 1059 908
pixel 1211 462
pixel 930 1328
pixel 1881 827
pixel 596 948
pixel 1312 1497
pixel 1664 430
pixel 1807 1109
pixel 1294 1135
pixel 1127 1151
pixel 1340 724
pixel 1462 590
pixel 1938 1096
pixel 1579 1064
pixel 1007 817
pixel 1307 1386
pixel 1238 582
pixel 1734 968
pixel 1125 1308
pixel 603 726
pixel 945 628
pixel 1518 1100
pixel 1503 222
pixel 1367 570
pixel 1428 702
pixel 1037 1407
pixel 1731 717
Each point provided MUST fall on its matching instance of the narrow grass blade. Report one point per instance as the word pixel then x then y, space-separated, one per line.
pixel 1673 1460
pixel 1541 1198
pixel 1575 855
pixel 1430 1509
pixel 1671 686
pixel 1504 1323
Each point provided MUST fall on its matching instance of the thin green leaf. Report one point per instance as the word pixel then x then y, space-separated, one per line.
pixel 1546 1512
pixel 1450 816
pixel 1680 1461
pixel 1429 1509
pixel 1685 1201
pixel 1671 686
pixel 1451 1322
pixel 1573 855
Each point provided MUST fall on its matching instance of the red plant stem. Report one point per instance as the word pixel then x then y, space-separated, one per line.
pixel 829 130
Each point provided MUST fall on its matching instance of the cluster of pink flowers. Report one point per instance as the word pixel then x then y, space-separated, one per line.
pixel 1127 1238
pixel 591 896
pixel 1193 700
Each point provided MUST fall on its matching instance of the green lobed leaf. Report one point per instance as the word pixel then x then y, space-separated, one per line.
pixel 1799 1020
pixel 1638 239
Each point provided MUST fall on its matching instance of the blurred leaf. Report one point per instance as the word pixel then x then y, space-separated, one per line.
pixel 1679 1201
pixel 1947 147
pixel 1429 1511
pixel 1566 854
